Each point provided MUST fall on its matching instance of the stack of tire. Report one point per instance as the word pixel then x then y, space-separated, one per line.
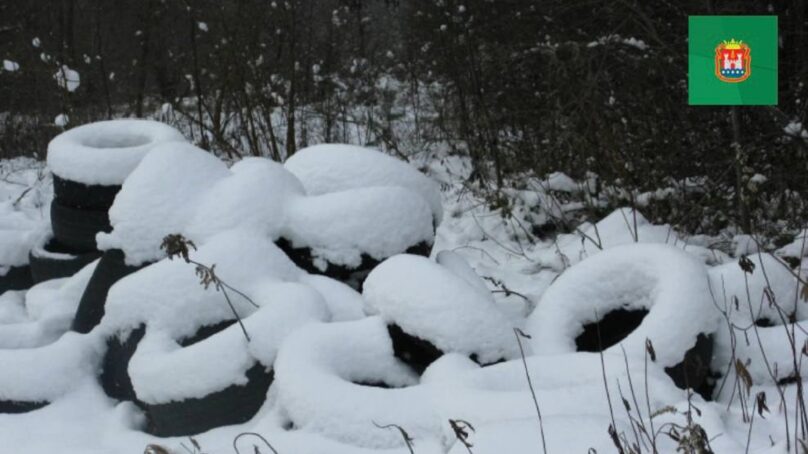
pixel 332 168
pixel 89 164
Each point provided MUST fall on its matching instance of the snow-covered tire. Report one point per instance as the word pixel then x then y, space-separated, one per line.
pixel 82 196
pixel 669 284
pixel 77 228
pixel 328 168
pixel 232 405
pixel 354 277
pixel 115 369
pixel 16 278
pixel 319 390
pixel 432 308
pixel 54 260
pixel 111 268
pixel 105 153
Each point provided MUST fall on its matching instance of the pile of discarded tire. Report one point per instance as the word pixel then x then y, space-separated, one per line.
pixel 190 411
pixel 103 212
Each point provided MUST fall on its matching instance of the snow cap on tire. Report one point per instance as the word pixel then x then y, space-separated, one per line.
pixel 328 168
pixel 106 152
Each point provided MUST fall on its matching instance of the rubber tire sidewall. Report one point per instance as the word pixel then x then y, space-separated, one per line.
pixel 82 196
pixel 77 228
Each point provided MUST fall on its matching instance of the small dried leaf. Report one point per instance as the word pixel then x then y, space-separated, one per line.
pixel 664 410
pixel 177 245
pixel 743 374
pixel 627 405
pixel 746 265
pixel 804 293
pixel 461 430
pixel 523 334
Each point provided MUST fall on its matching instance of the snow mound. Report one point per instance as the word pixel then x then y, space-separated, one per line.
pixel 106 152
pixel 44 313
pixel 12 306
pixel 670 284
pixel 21 235
pixel 159 198
pixel 163 371
pixel 770 278
pixel 344 303
pixel 758 310
pixel 461 268
pixel 328 168
pixel 433 303
pixel 340 227
pixel 48 372
pixel 254 196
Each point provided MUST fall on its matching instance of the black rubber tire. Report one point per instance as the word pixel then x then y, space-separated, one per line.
pixel 84 197
pixel 17 278
pixel 692 372
pixel 413 351
pixel 232 405
pixel 115 367
pixel 14 406
pixel 354 277
pixel 77 228
pixel 44 267
pixel 110 269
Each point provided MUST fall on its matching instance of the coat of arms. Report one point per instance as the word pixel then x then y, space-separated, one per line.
pixel 733 61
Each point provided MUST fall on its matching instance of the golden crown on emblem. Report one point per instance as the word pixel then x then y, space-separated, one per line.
pixel 732 44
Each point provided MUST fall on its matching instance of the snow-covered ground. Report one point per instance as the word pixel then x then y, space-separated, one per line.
pixel 498 285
